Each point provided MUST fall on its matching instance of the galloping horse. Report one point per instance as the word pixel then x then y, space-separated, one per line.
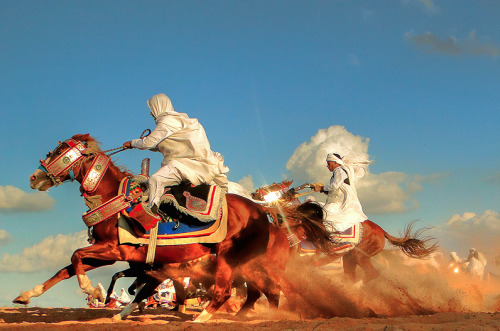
pixel 372 243
pixel 244 250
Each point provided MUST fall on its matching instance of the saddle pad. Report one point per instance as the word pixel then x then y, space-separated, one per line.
pixel 201 202
pixel 307 247
pixel 346 240
pixel 131 188
pixel 211 232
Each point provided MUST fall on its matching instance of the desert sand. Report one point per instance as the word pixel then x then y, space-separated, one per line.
pixel 402 298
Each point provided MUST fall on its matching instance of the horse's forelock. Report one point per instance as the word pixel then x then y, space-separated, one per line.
pixel 93 146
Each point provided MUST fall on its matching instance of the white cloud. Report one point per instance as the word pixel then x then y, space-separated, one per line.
pixel 453 46
pixel 482 231
pixel 52 253
pixel 389 192
pixel 13 199
pixel 247 183
pixel 5 238
pixel 307 163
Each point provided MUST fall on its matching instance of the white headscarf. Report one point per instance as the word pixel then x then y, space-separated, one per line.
pixel 160 104
pixel 354 167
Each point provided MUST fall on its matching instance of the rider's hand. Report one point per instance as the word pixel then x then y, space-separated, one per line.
pixel 127 144
pixel 317 187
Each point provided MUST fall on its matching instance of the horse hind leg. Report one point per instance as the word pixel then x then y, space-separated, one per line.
pixel 349 263
pixel 253 294
pixel 370 271
pixel 145 292
pixel 222 292
pixel 124 273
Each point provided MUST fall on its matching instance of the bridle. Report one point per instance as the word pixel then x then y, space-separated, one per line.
pixel 72 156
pixel 64 162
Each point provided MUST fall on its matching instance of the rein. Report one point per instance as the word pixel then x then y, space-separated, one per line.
pixel 121 149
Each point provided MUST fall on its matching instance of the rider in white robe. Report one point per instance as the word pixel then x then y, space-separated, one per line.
pixel 184 144
pixel 342 207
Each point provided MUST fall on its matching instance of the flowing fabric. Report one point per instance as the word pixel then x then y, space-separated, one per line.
pixel 184 144
pixel 343 208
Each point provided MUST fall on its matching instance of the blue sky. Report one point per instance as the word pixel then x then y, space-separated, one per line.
pixel 412 84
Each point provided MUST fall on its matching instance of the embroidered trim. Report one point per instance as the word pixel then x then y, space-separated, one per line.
pixel 105 211
pixel 193 203
pixel 293 240
pixel 66 160
pixel 96 172
pixel 214 201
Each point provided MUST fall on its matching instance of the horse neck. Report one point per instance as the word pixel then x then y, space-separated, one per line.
pixel 109 184
pixel 107 189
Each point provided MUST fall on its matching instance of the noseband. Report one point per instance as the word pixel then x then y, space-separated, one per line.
pixel 63 162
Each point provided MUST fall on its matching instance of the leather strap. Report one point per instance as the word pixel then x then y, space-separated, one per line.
pixel 105 211
pixel 153 236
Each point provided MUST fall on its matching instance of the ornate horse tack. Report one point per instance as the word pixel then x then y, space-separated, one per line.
pixel 64 161
pixel 96 172
pixel 105 211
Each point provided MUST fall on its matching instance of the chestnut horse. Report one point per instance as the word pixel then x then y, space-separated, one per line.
pixel 372 243
pixel 244 250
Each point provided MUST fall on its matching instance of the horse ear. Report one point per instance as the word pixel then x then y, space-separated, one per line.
pixel 81 137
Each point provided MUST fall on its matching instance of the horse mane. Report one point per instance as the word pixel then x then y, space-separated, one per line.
pixel 94 147
pixel 306 222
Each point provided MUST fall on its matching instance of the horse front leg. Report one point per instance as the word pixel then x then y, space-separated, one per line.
pixel 25 297
pixel 104 253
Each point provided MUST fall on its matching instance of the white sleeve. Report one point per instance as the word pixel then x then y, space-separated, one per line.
pixel 159 133
pixel 339 175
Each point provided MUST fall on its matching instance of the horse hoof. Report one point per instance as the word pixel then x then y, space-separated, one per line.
pixel 203 317
pixel 21 301
pixel 116 318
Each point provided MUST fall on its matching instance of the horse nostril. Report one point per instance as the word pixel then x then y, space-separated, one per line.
pixel 32 177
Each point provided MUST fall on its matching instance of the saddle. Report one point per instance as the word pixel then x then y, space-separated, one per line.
pixel 184 211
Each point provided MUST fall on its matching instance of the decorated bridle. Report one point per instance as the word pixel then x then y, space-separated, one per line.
pixel 65 161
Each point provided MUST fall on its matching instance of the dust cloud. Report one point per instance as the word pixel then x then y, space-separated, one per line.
pixel 399 290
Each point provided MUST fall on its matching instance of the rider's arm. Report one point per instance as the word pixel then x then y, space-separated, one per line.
pixel 339 175
pixel 161 132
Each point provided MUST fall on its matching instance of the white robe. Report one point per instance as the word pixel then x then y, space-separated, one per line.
pixel 185 148
pixel 342 206
pixel 184 145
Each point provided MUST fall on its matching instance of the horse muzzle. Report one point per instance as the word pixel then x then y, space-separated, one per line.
pixel 40 181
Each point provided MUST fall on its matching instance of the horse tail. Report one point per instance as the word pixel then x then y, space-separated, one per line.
pixel 413 246
pixel 305 222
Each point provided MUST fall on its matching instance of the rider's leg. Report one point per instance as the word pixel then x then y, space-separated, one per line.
pixel 168 175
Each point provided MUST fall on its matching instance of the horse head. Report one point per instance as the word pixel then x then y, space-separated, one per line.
pixel 65 162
